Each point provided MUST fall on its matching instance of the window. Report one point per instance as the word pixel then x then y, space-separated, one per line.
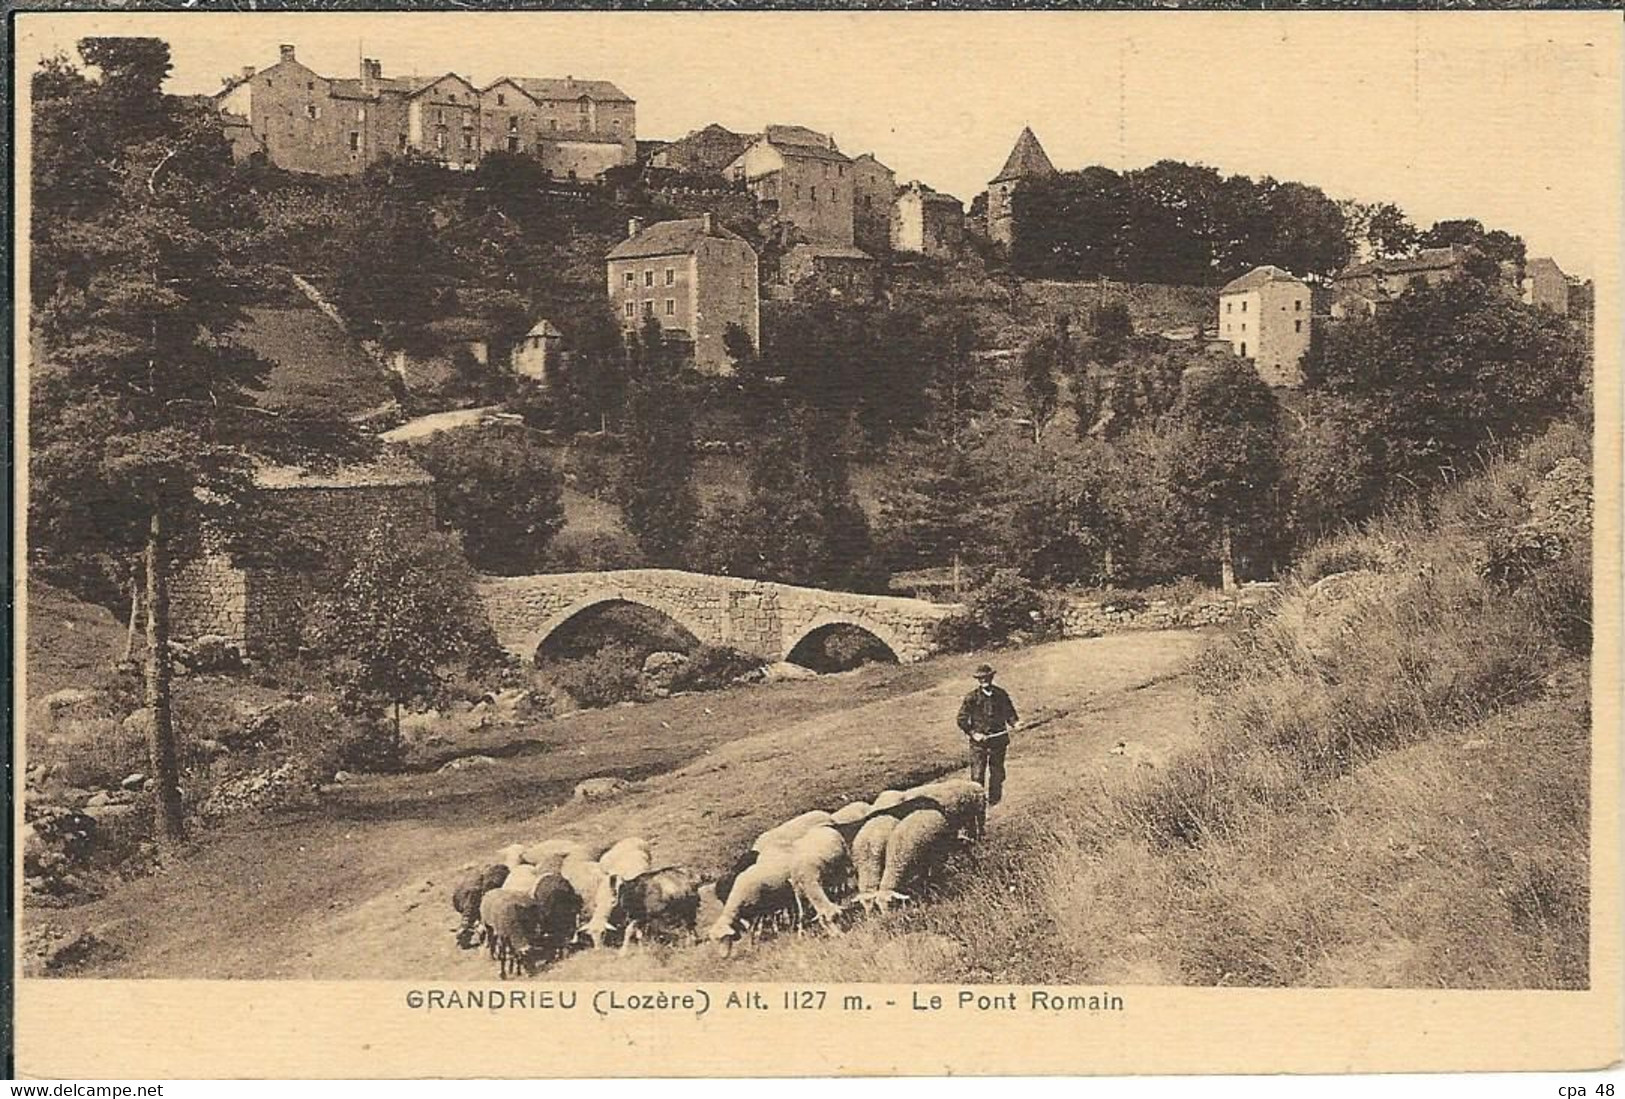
pixel 502 100
pixel 631 280
pixel 312 111
pixel 468 141
pixel 615 124
pixel 649 308
pixel 310 85
pixel 649 277
pixel 439 141
pixel 402 141
pixel 1297 305
pixel 631 308
pixel 552 124
pixel 361 114
pixel 513 144
pixel 1244 326
pixel 671 275
pixel 440 115
pixel 355 141
pixel 671 307
pixel 814 191
pixel 1297 326
pixel 1244 306
pixel 1244 349
pixel 513 124
pixel 1229 305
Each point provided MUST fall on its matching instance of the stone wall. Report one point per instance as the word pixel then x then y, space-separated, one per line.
pixel 262 605
pixel 1088 618
pixel 759 617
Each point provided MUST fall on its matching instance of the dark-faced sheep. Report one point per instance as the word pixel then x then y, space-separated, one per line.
pixel 665 899
pixel 466 897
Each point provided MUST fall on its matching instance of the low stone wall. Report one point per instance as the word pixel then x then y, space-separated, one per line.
pixel 1086 618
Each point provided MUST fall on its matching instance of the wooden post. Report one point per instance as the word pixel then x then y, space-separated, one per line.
pixel 1227 561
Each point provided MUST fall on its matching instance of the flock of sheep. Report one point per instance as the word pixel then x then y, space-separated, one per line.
pixel 544 899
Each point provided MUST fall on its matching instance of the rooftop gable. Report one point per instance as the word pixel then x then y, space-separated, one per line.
pixel 672 238
pixel 1260 277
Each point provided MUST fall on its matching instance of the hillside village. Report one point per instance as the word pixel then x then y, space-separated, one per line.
pixel 484 409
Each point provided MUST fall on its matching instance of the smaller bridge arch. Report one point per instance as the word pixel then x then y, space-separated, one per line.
pixel 884 634
pixel 533 640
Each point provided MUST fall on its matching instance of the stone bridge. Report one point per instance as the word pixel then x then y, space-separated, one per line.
pixel 757 616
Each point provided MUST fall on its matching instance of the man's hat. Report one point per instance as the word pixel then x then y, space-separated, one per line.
pixel 983 671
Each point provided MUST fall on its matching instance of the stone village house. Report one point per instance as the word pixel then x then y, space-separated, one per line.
pixel 927 222
pixel 1027 161
pixel 305 122
pixel 692 275
pixel 800 176
pixel 1267 315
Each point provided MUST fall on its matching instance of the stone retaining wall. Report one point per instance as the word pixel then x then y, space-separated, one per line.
pixel 1086 618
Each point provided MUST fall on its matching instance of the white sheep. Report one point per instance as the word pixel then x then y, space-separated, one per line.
pixel 627 859
pixel 548 855
pixel 913 851
pixel 886 799
pixel 592 884
pixel 761 889
pixel 522 879
pixel 819 862
pixel 792 829
pixel 851 811
pixel 512 855
pixel 962 799
pixel 869 855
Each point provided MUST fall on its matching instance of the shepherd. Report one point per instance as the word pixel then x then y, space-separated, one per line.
pixel 987 717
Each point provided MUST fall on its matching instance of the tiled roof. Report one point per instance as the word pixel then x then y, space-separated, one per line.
pixel 1257 277
pixel 669 238
pixel 1428 259
pixel 543 327
pixel 569 88
pixel 1026 159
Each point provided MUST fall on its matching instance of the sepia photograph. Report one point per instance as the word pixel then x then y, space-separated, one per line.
pixel 726 522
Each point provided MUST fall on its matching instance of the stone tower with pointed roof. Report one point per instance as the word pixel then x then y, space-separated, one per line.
pixel 1026 161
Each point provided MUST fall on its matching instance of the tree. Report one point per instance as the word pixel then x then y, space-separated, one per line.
pixel 1377 230
pixel 1227 465
pixel 1041 359
pixel 404 610
pixel 145 422
pixel 656 487
pixel 499 489
pixel 941 510
pixel 1443 371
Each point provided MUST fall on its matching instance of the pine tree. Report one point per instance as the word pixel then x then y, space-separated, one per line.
pixel 144 418
pixel 656 488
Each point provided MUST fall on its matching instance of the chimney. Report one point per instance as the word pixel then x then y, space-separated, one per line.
pixel 708 223
pixel 371 73
pixel 634 226
pixel 287 52
pixel 248 71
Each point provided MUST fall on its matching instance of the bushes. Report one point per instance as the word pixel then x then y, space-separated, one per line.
pixel 613 673
pixel 712 667
pixel 1006 608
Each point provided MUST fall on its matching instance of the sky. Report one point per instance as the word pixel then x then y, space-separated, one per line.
pixel 1511 117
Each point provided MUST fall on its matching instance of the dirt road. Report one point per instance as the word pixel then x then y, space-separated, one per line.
pixel 360 888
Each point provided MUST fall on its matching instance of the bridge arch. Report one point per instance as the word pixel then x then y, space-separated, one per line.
pixel 534 639
pixel 884 634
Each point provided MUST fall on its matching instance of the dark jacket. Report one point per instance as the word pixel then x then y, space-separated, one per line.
pixel 989 714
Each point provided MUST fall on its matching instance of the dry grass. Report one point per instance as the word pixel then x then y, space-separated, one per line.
pixel 1390 790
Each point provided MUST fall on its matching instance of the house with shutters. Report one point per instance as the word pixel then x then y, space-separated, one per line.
pixel 692 275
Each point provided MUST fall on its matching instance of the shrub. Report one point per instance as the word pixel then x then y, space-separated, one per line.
pixel 593 551
pixel 1347 553
pixel 613 673
pixel 498 488
pixel 712 667
pixel 371 745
